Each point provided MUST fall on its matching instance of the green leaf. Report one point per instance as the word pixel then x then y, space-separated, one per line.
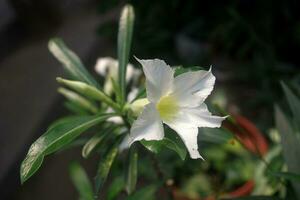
pixel 56 137
pixel 89 91
pixel 290 145
pixel 95 141
pixel 156 146
pixel 180 70
pixel 78 100
pixel 116 90
pixel 131 175
pixel 287 175
pixel 146 193
pixel 105 165
pixel 79 142
pixel 294 103
pixel 63 120
pixel 215 135
pixel 70 61
pixel 124 43
pixel 115 188
pixel 75 109
pixel 81 182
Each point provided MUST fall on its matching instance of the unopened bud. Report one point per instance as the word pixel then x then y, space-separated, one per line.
pixel 138 105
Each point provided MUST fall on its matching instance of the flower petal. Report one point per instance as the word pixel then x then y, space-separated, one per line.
pixel 189 138
pixel 159 78
pixel 107 65
pixel 148 126
pixel 197 117
pixel 108 68
pixel 192 88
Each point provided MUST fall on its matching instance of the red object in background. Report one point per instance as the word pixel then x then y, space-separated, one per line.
pixel 253 140
pixel 244 190
pixel 248 135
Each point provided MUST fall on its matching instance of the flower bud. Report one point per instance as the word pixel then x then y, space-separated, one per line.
pixel 138 105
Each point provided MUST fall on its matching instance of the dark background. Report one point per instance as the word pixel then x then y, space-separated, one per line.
pixel 251 44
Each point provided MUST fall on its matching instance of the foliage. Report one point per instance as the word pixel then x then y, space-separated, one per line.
pixel 136 172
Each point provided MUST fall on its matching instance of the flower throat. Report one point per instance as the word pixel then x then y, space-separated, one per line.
pixel 167 107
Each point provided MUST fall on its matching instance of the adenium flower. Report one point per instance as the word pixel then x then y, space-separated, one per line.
pixel 176 101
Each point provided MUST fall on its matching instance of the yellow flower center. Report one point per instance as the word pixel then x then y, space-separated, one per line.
pixel 167 107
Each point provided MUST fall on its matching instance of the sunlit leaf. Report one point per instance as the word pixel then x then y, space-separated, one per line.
pixel 57 136
pixel 81 182
pixel 124 45
pixel 70 61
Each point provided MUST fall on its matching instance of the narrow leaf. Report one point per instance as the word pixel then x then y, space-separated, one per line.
pixel 95 141
pixel 88 91
pixel 116 90
pixel 290 145
pixel 115 188
pixel 70 61
pixel 104 167
pixel 78 100
pixel 294 103
pixel 124 45
pixel 81 182
pixel 131 175
pixel 57 136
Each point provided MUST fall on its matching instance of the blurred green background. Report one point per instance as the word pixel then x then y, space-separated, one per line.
pixel 252 45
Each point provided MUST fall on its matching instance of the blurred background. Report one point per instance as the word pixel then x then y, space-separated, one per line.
pixel 251 44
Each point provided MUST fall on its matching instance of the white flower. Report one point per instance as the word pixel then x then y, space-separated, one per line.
pixel 108 68
pixel 177 102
